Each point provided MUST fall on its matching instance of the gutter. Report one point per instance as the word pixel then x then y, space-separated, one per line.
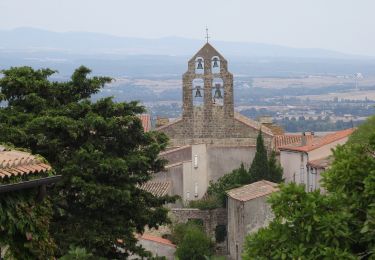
pixel 29 184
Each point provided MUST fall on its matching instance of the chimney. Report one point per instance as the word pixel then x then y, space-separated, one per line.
pixel 303 139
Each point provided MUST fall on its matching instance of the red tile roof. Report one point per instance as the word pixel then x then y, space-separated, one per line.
pixel 16 163
pixel 253 190
pixel 285 140
pixel 146 122
pixel 322 163
pixel 318 142
pixel 157 188
pixel 156 239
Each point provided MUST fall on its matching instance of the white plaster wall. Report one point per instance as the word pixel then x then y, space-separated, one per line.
pixel 291 163
pixel 195 178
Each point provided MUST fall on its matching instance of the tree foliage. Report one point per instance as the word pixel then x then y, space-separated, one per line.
pixel 259 169
pixel 192 242
pixel 99 148
pixel 339 224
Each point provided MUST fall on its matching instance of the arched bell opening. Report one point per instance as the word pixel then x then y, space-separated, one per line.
pixel 198 92
pixel 199 65
pixel 215 64
pixel 218 92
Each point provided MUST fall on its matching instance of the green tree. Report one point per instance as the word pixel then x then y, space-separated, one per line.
pixel 306 226
pixel 99 148
pixel 259 169
pixel 194 244
pixel 275 169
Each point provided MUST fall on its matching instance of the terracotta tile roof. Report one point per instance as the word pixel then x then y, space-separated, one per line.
pixel 146 122
pixel 318 142
pixel 156 239
pixel 322 163
pixel 252 123
pixel 253 190
pixel 157 188
pixel 288 139
pixel 15 163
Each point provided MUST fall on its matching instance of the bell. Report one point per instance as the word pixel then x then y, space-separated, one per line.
pixel 218 93
pixel 215 63
pixel 198 92
pixel 200 66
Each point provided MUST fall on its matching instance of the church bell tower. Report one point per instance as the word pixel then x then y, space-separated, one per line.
pixel 207 95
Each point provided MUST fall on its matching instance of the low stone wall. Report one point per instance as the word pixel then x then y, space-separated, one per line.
pixel 210 218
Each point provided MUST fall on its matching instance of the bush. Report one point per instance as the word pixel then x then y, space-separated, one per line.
pixel 194 243
pixel 209 202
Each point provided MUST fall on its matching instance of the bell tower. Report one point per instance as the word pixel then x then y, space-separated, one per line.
pixel 208 94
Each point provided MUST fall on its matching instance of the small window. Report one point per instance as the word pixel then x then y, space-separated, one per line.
pixel 195 161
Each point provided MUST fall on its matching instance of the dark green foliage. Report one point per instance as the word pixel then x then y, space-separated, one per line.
pixel 297 228
pixel 337 225
pixel 24 223
pixel 77 253
pixel 99 148
pixel 208 202
pixel 192 242
pixel 364 132
pixel 275 169
pixel 259 169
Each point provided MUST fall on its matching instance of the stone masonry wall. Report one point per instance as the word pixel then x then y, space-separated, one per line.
pixel 210 218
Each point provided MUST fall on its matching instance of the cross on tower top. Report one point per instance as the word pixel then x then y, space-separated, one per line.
pixel 207 37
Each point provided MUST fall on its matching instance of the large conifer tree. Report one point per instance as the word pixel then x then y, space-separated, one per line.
pixel 259 169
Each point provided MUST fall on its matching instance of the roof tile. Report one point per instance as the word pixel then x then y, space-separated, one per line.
pixel 253 190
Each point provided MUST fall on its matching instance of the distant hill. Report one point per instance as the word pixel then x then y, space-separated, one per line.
pixel 89 43
pixel 165 57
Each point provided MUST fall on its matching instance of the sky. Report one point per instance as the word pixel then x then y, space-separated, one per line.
pixel 342 25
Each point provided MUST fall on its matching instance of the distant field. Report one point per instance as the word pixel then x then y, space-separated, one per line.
pixel 353 95
pixel 311 82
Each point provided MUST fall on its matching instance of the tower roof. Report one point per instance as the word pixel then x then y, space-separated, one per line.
pixel 207 52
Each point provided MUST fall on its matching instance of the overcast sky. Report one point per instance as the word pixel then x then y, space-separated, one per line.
pixel 342 25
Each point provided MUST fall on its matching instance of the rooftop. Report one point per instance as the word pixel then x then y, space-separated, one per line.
pixel 288 139
pixel 317 142
pixel 157 239
pixel 253 190
pixel 157 188
pixel 17 163
pixel 322 163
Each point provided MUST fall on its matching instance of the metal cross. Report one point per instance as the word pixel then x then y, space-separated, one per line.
pixel 207 37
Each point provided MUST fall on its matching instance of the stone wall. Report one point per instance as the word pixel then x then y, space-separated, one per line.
pixel 210 218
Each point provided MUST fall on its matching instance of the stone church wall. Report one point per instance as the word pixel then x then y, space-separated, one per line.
pixel 224 159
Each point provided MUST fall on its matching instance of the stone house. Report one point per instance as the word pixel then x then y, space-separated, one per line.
pixel 247 212
pixel 296 158
pixel 210 139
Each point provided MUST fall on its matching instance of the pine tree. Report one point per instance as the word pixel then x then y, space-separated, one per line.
pixel 259 169
pixel 275 169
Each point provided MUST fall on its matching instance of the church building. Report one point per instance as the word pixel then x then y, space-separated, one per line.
pixel 210 139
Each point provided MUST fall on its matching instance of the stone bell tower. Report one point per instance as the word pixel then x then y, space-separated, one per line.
pixel 209 80
pixel 208 115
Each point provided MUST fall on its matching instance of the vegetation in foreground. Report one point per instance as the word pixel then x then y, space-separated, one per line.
pixel 337 225
pixel 102 153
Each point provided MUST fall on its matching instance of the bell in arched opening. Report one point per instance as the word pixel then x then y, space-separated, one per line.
pixel 218 92
pixel 200 66
pixel 215 63
pixel 198 92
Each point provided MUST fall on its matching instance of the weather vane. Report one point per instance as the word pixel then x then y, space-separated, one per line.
pixel 207 37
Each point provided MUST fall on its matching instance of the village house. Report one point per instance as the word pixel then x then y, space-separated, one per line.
pixel 247 212
pixel 303 161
